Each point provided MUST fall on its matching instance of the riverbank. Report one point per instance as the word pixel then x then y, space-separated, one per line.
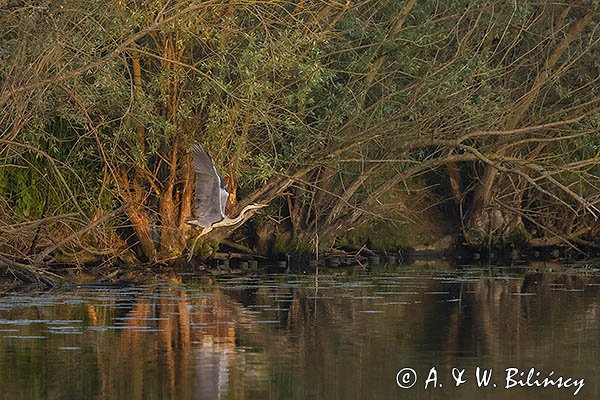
pixel 222 263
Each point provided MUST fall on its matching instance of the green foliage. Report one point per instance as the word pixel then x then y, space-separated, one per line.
pixel 270 88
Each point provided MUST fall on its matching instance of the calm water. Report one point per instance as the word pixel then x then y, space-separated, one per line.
pixel 343 336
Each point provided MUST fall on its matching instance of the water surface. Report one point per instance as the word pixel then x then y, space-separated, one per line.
pixel 343 335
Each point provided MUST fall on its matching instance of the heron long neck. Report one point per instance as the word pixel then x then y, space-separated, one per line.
pixel 232 221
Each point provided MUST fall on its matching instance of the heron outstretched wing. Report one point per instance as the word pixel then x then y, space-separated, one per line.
pixel 209 199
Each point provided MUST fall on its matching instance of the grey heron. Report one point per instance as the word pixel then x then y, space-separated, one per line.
pixel 211 196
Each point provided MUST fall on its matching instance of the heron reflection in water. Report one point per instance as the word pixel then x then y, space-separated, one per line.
pixel 210 197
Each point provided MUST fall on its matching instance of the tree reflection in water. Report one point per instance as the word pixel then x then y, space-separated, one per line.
pixel 284 337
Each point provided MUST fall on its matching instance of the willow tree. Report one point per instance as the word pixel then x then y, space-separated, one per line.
pixel 538 169
pixel 494 102
pixel 123 89
pixel 337 113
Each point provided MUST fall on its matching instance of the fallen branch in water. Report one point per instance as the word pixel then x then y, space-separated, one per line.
pixel 29 273
pixel 240 247
pixel 230 255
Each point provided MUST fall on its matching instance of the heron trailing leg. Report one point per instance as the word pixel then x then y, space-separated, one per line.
pixel 204 232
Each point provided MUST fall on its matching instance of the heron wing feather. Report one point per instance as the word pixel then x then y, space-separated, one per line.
pixel 207 197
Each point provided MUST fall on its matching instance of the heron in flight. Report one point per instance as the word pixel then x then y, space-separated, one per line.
pixel 211 197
